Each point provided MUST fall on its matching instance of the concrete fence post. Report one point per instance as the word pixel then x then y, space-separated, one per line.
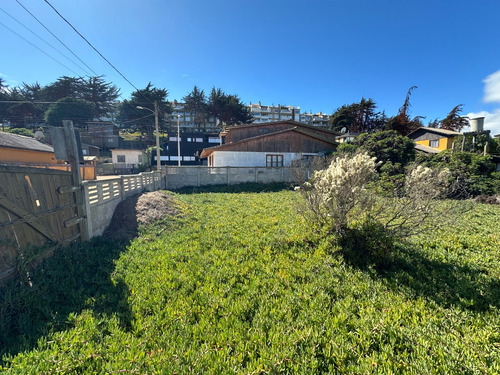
pixel 88 211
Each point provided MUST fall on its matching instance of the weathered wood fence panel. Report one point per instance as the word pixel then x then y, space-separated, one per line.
pixel 33 211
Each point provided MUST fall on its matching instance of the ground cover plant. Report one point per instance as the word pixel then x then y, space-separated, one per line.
pixel 240 284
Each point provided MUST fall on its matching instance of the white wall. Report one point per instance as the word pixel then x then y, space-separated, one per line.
pixel 250 159
pixel 131 156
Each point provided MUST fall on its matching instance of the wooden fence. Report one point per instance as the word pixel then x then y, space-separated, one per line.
pixel 40 206
pixel 36 206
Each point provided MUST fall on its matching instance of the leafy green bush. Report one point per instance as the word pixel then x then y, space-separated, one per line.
pixel 388 147
pixel 22 131
pixel 472 174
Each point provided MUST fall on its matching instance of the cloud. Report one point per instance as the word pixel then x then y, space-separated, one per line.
pixel 491 95
pixel 492 88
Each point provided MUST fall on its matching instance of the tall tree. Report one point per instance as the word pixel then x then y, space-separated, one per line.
pixel 100 94
pixel 228 109
pixel 454 121
pixel 358 117
pixel 143 120
pixel 24 114
pixel 64 87
pixel 402 122
pixel 196 104
pixel 77 110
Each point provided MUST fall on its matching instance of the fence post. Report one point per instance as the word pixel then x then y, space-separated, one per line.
pixel 255 173
pixel 227 175
pixel 87 211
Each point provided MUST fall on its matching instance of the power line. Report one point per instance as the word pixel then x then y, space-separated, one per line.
pixel 95 49
pixel 38 36
pixel 27 41
pixel 59 40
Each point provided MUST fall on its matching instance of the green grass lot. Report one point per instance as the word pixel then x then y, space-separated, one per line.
pixel 240 284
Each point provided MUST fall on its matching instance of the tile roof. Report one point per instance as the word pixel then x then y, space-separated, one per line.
pixel 23 143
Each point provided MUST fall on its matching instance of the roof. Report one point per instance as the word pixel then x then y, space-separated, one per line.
pixel 294 123
pixel 445 132
pixel 426 149
pixel 207 151
pixel 22 142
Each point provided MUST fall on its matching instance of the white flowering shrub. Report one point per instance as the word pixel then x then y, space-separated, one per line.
pixel 341 200
pixel 420 208
pixel 335 193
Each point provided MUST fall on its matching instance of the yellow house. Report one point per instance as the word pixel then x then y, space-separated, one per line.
pixel 26 151
pixel 436 139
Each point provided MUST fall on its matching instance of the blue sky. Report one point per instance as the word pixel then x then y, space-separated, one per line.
pixel 317 55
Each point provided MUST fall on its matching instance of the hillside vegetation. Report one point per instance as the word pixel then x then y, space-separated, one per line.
pixel 240 284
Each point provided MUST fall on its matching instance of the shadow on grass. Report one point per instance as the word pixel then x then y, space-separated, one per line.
pixel 409 269
pixel 75 278
pixel 238 188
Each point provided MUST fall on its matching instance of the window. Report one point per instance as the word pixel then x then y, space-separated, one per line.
pixel 199 140
pixel 274 161
pixel 263 130
pixel 188 158
pixel 120 158
pixel 434 143
pixel 172 139
pixel 214 140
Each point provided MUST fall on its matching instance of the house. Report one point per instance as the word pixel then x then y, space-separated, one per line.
pixel 270 145
pixel 437 139
pixel 347 137
pixel 28 152
pixel 191 146
pixel 128 161
pixel 25 150
pixel 103 134
pixel 239 132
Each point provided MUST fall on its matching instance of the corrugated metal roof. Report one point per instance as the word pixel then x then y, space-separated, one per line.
pixel 434 130
pixel 22 142
pixel 426 149
pixel 209 150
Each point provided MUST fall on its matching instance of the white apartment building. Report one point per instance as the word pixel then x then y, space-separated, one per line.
pixel 261 113
pixel 315 119
pixel 271 113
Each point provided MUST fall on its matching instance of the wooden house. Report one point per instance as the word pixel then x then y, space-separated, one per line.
pixel 437 139
pixel 270 145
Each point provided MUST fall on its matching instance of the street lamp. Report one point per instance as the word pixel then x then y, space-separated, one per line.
pixel 158 162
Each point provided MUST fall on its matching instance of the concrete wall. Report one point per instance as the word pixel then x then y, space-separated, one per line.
pixel 178 177
pixel 101 197
pixel 250 159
